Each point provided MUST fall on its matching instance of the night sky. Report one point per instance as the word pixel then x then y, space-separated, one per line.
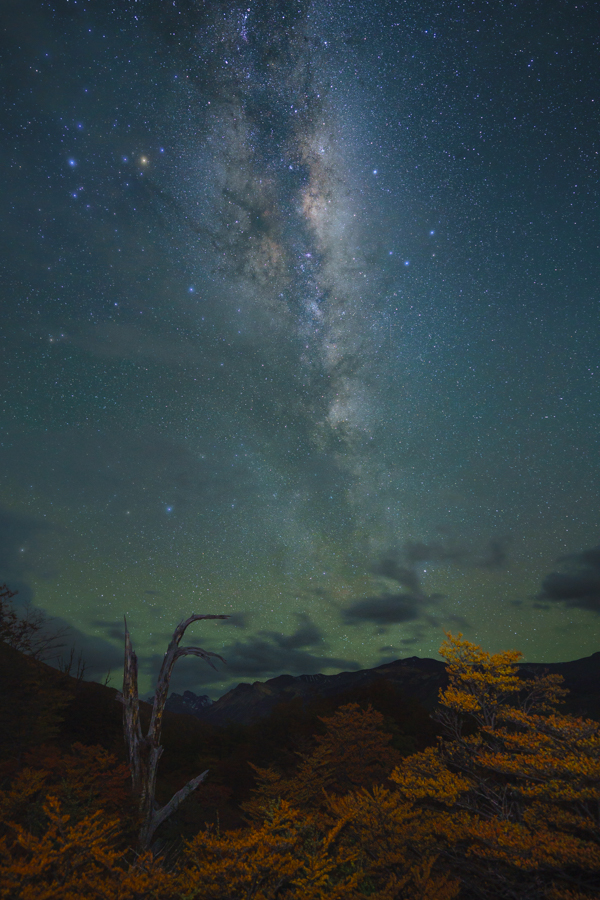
pixel 300 323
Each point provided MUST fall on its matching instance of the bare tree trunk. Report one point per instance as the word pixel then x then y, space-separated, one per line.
pixel 144 752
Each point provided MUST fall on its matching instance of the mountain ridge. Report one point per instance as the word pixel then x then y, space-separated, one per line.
pixel 418 678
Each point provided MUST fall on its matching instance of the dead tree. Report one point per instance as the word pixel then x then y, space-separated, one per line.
pixel 145 752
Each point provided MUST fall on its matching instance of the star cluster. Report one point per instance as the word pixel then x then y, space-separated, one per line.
pixel 301 318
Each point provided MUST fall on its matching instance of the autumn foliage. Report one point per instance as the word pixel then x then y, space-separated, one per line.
pixel 65 829
pixel 507 805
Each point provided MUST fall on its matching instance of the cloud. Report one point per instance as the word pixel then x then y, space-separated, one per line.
pixel 459 621
pixel 259 657
pixel 114 629
pixel 396 608
pixel 419 552
pixel 98 654
pixel 21 554
pixel 579 587
pixel 387 609
pixel 236 620
pixel 388 654
pixel 493 555
pixel 306 635
pixel 320 592
pixel 391 568
pixel 401 567
pixel 20 551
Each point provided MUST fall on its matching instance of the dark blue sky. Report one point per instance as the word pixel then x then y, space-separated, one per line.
pixel 300 322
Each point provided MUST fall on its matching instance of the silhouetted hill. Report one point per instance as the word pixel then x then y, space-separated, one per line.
pixel 418 679
pixel 89 712
pixel 259 724
pixel 39 703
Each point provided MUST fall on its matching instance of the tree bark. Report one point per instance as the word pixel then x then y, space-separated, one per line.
pixel 144 752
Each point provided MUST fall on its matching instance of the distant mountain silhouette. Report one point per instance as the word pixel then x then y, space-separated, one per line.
pixel 419 679
pixel 189 703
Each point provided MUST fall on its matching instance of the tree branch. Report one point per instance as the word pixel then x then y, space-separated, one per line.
pixel 145 752
pixel 170 658
pixel 160 815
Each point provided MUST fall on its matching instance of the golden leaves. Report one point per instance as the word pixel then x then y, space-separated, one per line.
pixel 510 803
pixel 288 855
pixel 74 862
pixel 427 776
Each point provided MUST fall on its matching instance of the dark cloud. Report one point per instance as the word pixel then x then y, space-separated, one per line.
pixel 459 621
pixel 396 608
pixel 306 635
pixel 21 555
pixel 259 657
pixel 578 587
pixel 190 673
pixel 20 551
pixel 496 554
pixel 237 620
pixel 98 654
pixel 401 566
pixel 391 568
pixel 114 630
pixel 388 609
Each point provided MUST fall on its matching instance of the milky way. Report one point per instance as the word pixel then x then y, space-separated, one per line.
pixel 301 326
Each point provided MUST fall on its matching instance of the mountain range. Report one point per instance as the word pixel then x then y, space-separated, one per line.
pixel 417 679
